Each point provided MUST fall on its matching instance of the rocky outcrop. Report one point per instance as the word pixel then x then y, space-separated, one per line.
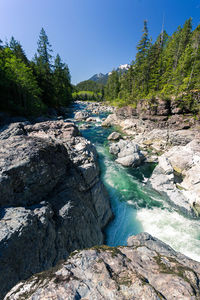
pixel 145 269
pixel 126 112
pixel 128 153
pixel 51 198
pixel 165 111
pixel 178 175
pixel 147 129
pixel 157 113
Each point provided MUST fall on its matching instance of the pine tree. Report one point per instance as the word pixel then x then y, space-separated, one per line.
pixel 141 63
pixel 61 80
pixel 44 50
pixel 42 67
pixel 143 45
pixel 155 62
pixel 184 38
pixel 17 49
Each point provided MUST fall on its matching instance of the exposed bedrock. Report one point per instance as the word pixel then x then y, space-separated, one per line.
pixel 52 200
pixel 145 269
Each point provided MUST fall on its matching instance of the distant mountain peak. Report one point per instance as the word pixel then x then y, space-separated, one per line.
pixel 102 78
pixel 100 75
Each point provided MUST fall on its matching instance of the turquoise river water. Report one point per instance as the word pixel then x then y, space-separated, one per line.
pixel 136 206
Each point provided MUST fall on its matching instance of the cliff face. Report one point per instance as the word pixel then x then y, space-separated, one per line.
pixel 146 269
pixel 51 198
pixel 159 113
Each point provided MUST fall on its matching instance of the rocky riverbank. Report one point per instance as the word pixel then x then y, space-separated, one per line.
pixel 146 269
pixel 170 142
pixel 150 134
pixel 52 200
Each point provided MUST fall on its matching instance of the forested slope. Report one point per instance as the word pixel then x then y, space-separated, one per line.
pixel 88 90
pixel 168 69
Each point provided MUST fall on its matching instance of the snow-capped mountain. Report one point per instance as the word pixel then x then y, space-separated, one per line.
pixel 102 78
pixel 121 69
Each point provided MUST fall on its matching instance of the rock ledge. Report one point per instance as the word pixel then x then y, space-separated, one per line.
pixel 146 269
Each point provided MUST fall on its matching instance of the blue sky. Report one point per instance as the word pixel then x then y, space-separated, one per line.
pixel 92 36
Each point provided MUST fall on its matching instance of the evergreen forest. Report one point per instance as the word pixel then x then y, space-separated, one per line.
pixel 30 87
pixel 168 68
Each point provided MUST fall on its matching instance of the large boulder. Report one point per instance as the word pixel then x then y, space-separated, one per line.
pixel 30 169
pixel 146 269
pixel 128 153
pixel 109 121
pixel 177 175
pixel 114 136
pixel 52 200
pixel 81 115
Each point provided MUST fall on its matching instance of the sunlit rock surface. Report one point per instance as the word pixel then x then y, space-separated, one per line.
pixel 128 153
pixel 145 269
pixel 52 200
pixel 178 175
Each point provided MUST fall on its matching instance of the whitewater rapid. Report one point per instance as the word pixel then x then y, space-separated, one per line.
pixel 138 208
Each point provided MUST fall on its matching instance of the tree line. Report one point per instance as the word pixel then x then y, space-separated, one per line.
pixel 87 96
pixel 88 90
pixel 168 68
pixel 89 85
pixel 30 87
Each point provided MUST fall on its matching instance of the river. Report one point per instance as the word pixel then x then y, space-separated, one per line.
pixel 136 206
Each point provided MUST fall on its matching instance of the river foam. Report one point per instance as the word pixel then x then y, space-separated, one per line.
pixel 138 208
pixel 180 233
